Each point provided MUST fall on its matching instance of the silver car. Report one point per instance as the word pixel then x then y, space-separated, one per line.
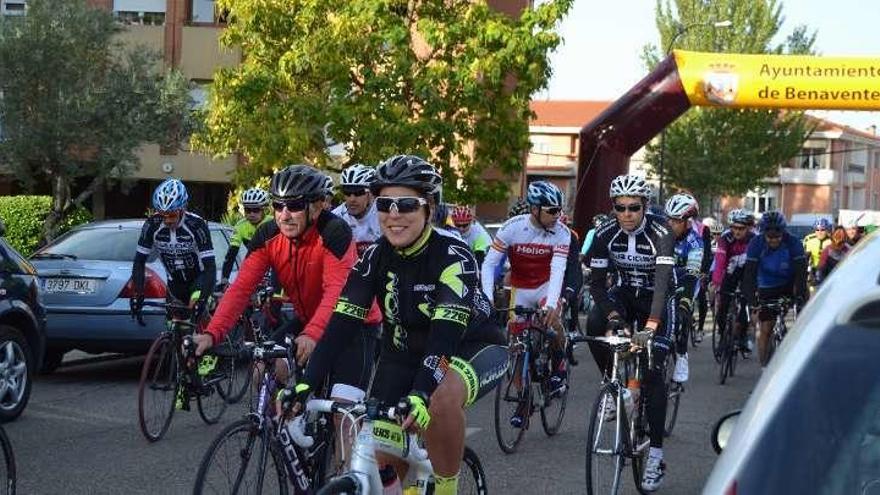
pixel 812 424
pixel 85 278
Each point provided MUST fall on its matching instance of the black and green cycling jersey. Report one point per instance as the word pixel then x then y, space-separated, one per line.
pixel 431 303
pixel 243 233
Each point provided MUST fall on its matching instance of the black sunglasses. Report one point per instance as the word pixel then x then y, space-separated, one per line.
pixel 252 210
pixel 292 205
pixel 353 191
pixel 401 204
pixel 633 207
pixel 551 210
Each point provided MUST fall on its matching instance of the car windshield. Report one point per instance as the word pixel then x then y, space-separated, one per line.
pixel 111 244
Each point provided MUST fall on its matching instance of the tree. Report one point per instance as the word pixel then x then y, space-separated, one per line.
pixel 450 81
pixel 718 151
pixel 75 105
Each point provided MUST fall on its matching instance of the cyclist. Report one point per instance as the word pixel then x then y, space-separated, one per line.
pixel 472 232
pixel 711 232
pixel 776 267
pixel 538 247
pixel 312 253
pixel 440 352
pixel 681 209
pixel 359 209
pixel 854 233
pixel 443 221
pixel 814 244
pixel 328 192
pixel 184 244
pixel 832 254
pixel 640 246
pixel 254 202
pixel 730 257
pixel 598 220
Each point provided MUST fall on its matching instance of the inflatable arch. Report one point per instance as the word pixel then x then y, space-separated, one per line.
pixel 687 78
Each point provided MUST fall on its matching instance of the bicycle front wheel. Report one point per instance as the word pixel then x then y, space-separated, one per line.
pixel 158 388
pixel 471 478
pixel 241 460
pixel 605 443
pixel 210 393
pixel 237 363
pixel 673 395
pixel 553 406
pixel 8 466
pixel 512 396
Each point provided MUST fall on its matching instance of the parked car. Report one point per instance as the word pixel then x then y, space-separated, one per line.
pixel 85 276
pixel 812 425
pixel 22 329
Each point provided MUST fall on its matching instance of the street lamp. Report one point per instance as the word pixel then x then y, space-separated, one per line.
pixel 681 30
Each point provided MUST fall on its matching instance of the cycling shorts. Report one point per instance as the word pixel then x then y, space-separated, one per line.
pixel 771 295
pixel 480 365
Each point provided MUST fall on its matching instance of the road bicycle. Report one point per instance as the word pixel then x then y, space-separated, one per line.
pixel 257 453
pixel 526 384
pixel 729 340
pixel 171 376
pixel 780 328
pixel 618 429
pixel 380 431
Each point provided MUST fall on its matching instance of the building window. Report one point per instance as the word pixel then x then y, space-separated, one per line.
pixel 540 145
pixel 206 12
pixel 811 158
pixel 12 7
pixel 761 201
pixel 140 12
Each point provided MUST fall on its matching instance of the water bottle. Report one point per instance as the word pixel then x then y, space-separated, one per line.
pixel 390 481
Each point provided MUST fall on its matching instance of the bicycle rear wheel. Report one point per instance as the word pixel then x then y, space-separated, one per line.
pixel 211 401
pixel 605 443
pixel 241 460
pixel 725 347
pixel 8 466
pixel 237 363
pixel 471 478
pixel 511 397
pixel 673 395
pixel 553 405
pixel 158 387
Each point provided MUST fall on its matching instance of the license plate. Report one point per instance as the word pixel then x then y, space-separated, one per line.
pixel 70 285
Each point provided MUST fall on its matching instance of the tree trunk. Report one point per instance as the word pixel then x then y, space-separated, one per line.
pixel 60 205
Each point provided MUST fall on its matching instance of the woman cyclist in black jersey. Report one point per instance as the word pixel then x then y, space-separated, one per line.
pixel 440 350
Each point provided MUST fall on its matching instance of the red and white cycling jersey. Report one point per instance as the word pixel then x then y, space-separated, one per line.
pixel 365 230
pixel 537 256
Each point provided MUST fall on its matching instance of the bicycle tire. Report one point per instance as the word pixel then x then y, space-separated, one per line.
pixel 265 451
pixel 550 424
pixel 9 462
pixel 724 364
pixel 598 423
pixel 716 341
pixel 475 483
pixel 673 396
pixel 162 353
pixel 240 364
pixel 340 485
pixel 210 400
pixel 638 438
pixel 502 395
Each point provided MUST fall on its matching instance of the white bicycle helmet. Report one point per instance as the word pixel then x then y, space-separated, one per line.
pixel 254 198
pixel 328 185
pixel 357 175
pixel 630 185
pixel 714 225
pixel 171 195
pixel 740 216
pixel 681 206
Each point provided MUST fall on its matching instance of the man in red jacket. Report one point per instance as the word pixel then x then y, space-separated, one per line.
pixel 312 252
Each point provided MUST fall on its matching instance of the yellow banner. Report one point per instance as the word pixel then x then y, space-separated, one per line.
pixel 780 81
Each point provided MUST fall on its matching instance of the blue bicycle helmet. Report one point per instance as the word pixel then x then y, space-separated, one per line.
pixel 171 195
pixel 823 224
pixel 772 220
pixel 543 193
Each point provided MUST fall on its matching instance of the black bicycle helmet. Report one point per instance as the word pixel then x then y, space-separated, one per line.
pixel 520 207
pixel 297 181
pixel 408 171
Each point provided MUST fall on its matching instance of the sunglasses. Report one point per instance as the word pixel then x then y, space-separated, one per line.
pixel 551 210
pixel 358 192
pixel 401 204
pixel 292 205
pixel 632 208
pixel 253 210
pixel 737 227
pixel 462 226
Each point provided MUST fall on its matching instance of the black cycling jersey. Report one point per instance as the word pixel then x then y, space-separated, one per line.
pixel 431 302
pixel 186 251
pixel 643 260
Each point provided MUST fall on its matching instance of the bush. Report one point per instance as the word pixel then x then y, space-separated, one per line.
pixel 24 217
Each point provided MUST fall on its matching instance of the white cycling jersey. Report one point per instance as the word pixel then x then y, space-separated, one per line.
pixel 537 257
pixel 365 230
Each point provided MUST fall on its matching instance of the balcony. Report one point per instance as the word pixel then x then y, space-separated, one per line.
pixel 815 177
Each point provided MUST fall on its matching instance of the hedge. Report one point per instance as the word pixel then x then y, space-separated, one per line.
pixel 24 217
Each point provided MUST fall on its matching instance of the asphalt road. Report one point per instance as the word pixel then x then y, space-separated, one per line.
pixel 79 434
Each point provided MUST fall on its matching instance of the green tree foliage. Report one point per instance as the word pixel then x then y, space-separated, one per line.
pixel 448 80
pixel 24 216
pixel 718 151
pixel 75 105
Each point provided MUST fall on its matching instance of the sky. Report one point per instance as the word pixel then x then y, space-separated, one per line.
pixel 600 60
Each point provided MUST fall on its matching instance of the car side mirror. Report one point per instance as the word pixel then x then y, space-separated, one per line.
pixel 722 430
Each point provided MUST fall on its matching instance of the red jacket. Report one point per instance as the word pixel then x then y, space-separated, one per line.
pixel 311 269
